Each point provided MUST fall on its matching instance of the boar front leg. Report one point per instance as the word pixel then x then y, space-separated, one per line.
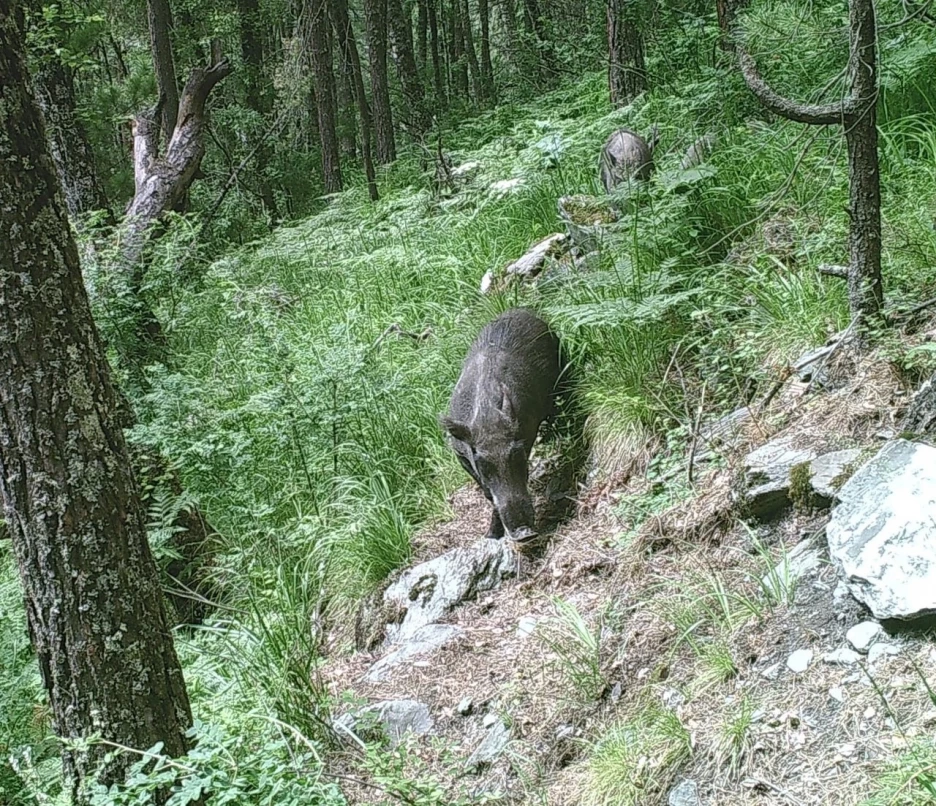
pixel 496 529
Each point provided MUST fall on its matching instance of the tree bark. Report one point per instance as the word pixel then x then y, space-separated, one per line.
pixel 375 22
pixel 68 140
pixel 93 599
pixel 160 24
pixel 315 33
pixel 857 114
pixel 402 38
pixel 438 71
pixel 457 58
pixel 259 96
pixel 347 43
pixel 627 74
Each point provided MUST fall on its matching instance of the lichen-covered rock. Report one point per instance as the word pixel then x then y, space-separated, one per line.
pixel 586 218
pixel 883 534
pixel 429 591
pixel 766 478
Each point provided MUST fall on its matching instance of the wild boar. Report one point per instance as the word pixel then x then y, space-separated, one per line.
pixel 624 156
pixel 506 389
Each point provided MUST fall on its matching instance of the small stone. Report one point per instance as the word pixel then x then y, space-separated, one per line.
pixel 841 591
pixel 843 656
pixel 771 671
pixel 880 650
pixel 846 750
pixel 526 626
pixel 489 719
pixel 799 661
pixel 836 693
pixel 869 713
pixel 616 691
pixel 685 793
pixel 862 635
pixel 493 744
pixel 465 707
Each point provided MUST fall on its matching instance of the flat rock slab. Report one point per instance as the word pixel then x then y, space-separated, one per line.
pixel 428 592
pixel 394 718
pixel 767 476
pixel 425 641
pixel 495 741
pixel 883 534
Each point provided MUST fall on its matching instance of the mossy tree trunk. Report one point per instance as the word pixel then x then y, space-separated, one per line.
pixel 93 599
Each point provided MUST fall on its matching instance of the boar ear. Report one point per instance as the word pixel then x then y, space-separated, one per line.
pixel 458 430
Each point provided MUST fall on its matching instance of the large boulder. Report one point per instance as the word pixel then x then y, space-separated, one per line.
pixel 883 534
pixel 528 267
pixel 430 591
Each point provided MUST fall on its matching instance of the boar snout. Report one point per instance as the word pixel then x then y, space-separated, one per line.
pixel 516 512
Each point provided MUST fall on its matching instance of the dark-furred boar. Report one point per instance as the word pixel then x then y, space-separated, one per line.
pixel 506 389
pixel 625 156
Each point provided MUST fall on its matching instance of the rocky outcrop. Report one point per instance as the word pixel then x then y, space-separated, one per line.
pixel 428 592
pixel 883 533
pixel 389 719
pixel 424 642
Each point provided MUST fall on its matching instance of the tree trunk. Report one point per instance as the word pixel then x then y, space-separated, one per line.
pixel 438 72
pixel 259 96
pixel 727 11
pixel 68 140
pixel 402 38
pixel 93 600
pixel 347 118
pixel 627 75
pixel 375 21
pixel 487 69
pixel 347 43
pixel 422 32
pixel 511 38
pixel 457 58
pixel 472 56
pixel 315 33
pixel 865 285
pixel 160 25
pixel 536 29
pixel 857 115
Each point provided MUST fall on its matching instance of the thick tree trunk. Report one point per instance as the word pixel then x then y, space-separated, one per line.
pixel 438 71
pixel 68 139
pixel 536 30
pixel 857 114
pixel 375 22
pixel 315 32
pixel 402 37
pixel 160 25
pixel 347 43
pixel 627 74
pixel 457 58
pixel 93 599
pixel 487 69
pixel 727 11
pixel 259 95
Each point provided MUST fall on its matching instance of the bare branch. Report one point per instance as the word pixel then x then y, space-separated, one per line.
pixel 832 270
pixel 815 114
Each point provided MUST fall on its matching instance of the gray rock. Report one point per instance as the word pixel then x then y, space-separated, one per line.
pixel 799 661
pixel 586 219
pixel 862 635
pixel 843 656
pixel 685 793
pixel 829 468
pixel 489 720
pixel 394 718
pixel 803 558
pixel 882 534
pixel 881 650
pixel 771 672
pixel 465 707
pixel 810 366
pixel 495 741
pixel 430 591
pixel 766 478
pixel 424 641
pixel 526 626
pixel 699 151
